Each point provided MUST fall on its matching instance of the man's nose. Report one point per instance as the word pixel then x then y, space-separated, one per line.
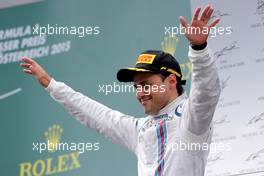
pixel 140 93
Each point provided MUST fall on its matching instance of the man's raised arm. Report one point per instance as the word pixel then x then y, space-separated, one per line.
pixel 205 86
pixel 118 127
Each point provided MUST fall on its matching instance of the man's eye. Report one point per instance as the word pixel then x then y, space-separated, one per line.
pixel 146 86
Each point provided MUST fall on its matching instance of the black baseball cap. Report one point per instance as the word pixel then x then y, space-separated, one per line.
pixel 154 61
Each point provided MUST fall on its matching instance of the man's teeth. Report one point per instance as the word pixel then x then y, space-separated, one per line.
pixel 145 99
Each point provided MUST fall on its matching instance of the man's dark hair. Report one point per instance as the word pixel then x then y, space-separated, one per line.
pixel 179 87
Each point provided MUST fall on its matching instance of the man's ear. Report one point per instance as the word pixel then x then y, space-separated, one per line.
pixel 172 80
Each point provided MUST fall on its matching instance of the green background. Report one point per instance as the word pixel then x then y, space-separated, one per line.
pixel 126 29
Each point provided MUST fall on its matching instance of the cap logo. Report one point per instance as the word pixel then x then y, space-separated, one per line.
pixel 171 71
pixel 145 59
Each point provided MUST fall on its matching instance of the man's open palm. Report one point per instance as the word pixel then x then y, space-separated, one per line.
pixel 197 37
pixel 33 68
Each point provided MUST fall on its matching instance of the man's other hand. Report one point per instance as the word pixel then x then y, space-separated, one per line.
pixel 33 68
pixel 199 24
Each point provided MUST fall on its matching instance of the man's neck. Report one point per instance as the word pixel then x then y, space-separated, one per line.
pixel 171 101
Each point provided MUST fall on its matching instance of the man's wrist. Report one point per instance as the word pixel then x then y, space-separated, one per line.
pixel 50 87
pixel 44 80
pixel 199 47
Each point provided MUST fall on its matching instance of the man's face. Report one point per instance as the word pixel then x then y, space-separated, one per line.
pixel 152 93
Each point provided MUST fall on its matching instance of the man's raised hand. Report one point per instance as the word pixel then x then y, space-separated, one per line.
pixel 33 68
pixel 195 36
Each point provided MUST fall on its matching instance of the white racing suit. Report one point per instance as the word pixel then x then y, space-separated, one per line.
pixel 162 143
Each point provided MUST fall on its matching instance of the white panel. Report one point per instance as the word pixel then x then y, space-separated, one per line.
pixel 239 118
pixel 12 3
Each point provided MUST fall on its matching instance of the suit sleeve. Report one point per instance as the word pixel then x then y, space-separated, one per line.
pixel 204 93
pixel 118 127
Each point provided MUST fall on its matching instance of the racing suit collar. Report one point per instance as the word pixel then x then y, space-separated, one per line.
pixel 172 105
